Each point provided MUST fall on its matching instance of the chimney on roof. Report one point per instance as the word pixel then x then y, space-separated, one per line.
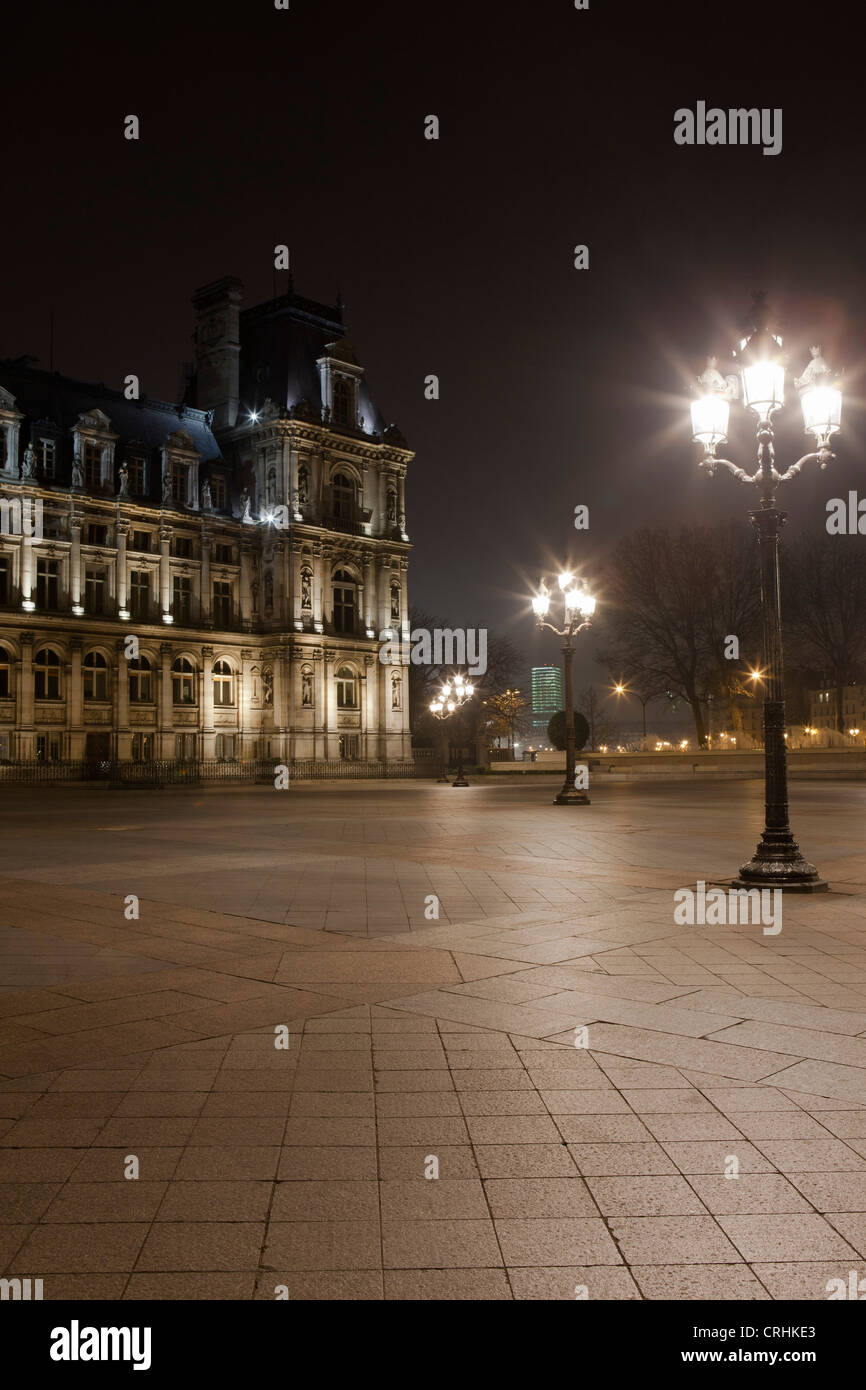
pixel 218 349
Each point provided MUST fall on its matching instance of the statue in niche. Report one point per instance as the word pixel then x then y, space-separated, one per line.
pixel 254 592
pixel 303 485
pixel 815 370
pixel 395 601
pixel 246 513
pixel 307 689
pixel 77 472
pixel 395 690
pixel 28 465
pixel 392 508
pixel 268 685
pixel 306 589
pixel 123 481
pixel 269 590
pixel 166 490
pixel 206 498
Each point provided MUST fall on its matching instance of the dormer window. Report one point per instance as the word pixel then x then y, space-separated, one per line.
pixel 92 457
pixel 344 496
pixel 137 475
pixel 343 408
pixel 47 457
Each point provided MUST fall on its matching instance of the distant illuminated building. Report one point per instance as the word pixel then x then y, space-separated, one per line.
pixel 547 696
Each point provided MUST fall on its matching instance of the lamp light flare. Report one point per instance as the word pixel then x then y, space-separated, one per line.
pixel 710 420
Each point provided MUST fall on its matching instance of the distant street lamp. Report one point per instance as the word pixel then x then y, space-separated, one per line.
pixel 777 861
pixel 620 689
pixel 451 698
pixel 578 607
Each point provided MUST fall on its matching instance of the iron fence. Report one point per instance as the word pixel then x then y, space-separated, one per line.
pixel 168 773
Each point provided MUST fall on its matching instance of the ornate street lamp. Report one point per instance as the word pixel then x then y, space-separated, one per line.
pixel 578 607
pixel 777 861
pixel 451 698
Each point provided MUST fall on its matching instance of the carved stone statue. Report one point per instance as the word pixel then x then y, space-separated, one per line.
pixel 77 472
pixel 307 689
pixel 712 382
pixel 306 589
pixel 123 481
pixel 268 685
pixel 269 590
pixel 28 464
pixel 206 499
pixel 166 489
pixel 395 690
pixel 246 514
pixel 303 485
pixel 392 507
pixel 814 371
pixel 254 592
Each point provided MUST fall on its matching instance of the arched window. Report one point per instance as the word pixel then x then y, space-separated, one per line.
pixel 343 396
pixel 347 688
pixel 223 683
pixel 5 674
pixel 140 680
pixel 183 681
pixel 395 601
pixel 343 493
pixel 95 676
pixel 46 669
pixel 345 602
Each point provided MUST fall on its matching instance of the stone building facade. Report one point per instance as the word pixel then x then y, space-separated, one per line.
pixel 208 579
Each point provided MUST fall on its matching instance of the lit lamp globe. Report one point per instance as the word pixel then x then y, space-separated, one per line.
pixel 710 420
pixel 764 386
pixel 822 411
pixel 541 605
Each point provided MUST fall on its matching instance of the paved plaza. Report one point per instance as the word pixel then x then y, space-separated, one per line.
pixel 429 1130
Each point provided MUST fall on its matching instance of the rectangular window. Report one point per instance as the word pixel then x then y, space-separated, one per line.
pixel 183 547
pixel 218 494
pixel 139 594
pixel 137 476
pixel 140 541
pixel 142 748
pixel 225 745
pixel 5 748
pixel 48 748
pixel 181 598
pixel 223 554
pixel 97 534
pixel 222 603
pixel 350 746
pixel 94 591
pixel 5 579
pixel 46 583
pixel 184 747
pixel 47 457
pixel 92 464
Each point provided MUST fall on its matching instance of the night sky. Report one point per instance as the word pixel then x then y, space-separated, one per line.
pixel 455 257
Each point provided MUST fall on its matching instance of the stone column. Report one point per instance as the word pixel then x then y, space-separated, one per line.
pixel 206 703
pixel 206 610
pixel 27 577
pixel 76 522
pixel 26 728
pixel 75 694
pixel 369 702
pixel 369 594
pixel 121 575
pixel 122 731
pixel 166 708
pixel 165 533
pixel 244 595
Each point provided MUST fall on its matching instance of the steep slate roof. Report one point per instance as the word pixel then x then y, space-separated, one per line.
pixel 281 342
pixel 49 397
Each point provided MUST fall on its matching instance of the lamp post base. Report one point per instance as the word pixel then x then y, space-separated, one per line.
pixel 460 781
pixel 778 863
pixel 569 797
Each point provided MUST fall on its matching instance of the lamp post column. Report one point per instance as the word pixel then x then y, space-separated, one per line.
pixel 569 796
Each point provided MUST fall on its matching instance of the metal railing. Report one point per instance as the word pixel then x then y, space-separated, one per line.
pixel 172 773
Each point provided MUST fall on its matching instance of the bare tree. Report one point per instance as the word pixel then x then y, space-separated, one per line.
pixel 824 607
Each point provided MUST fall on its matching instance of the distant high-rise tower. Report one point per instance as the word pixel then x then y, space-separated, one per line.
pixel 547 696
